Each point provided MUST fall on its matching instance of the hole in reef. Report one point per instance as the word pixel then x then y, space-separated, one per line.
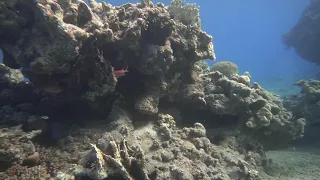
pixel 130 85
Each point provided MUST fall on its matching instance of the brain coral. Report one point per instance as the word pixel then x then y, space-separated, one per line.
pixel 227 68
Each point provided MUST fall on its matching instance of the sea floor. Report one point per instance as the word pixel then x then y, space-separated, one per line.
pixel 294 164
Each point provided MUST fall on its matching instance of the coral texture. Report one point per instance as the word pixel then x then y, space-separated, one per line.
pixel 9 75
pixel 160 150
pixel 76 46
pixel 305 106
pixel 255 107
pixel 227 68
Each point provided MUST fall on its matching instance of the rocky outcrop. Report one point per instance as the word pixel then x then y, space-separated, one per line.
pixel 10 76
pixel 70 47
pixel 304 36
pixel 75 45
pixel 253 106
pixel 306 106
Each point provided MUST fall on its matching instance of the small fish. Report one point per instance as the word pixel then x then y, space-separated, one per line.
pixel 44 117
pixel 120 73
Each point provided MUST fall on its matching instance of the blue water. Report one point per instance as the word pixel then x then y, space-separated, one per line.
pixel 248 33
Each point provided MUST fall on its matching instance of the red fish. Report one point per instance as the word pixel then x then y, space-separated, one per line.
pixel 120 73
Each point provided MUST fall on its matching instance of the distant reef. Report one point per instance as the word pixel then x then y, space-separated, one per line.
pixel 304 37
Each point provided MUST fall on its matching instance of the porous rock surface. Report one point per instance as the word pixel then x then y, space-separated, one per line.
pixel 71 46
pixel 16 148
pixel 159 150
pixel 305 106
pixel 10 76
pixel 254 107
pixel 304 36
pixel 76 45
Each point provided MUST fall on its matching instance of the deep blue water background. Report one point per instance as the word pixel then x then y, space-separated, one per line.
pixel 248 33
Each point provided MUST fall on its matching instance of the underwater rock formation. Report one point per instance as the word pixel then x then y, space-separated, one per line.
pixel 75 46
pixel 306 106
pixel 151 124
pixel 256 108
pixel 304 36
pixel 10 76
pixel 311 90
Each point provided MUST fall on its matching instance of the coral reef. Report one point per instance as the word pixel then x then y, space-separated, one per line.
pixel 304 36
pixel 76 46
pixel 227 68
pixel 311 89
pixel 254 107
pixel 159 150
pixel 244 79
pixel 305 106
pixel 169 117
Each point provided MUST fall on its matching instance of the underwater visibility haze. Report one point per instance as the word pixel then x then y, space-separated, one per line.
pixel 152 90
